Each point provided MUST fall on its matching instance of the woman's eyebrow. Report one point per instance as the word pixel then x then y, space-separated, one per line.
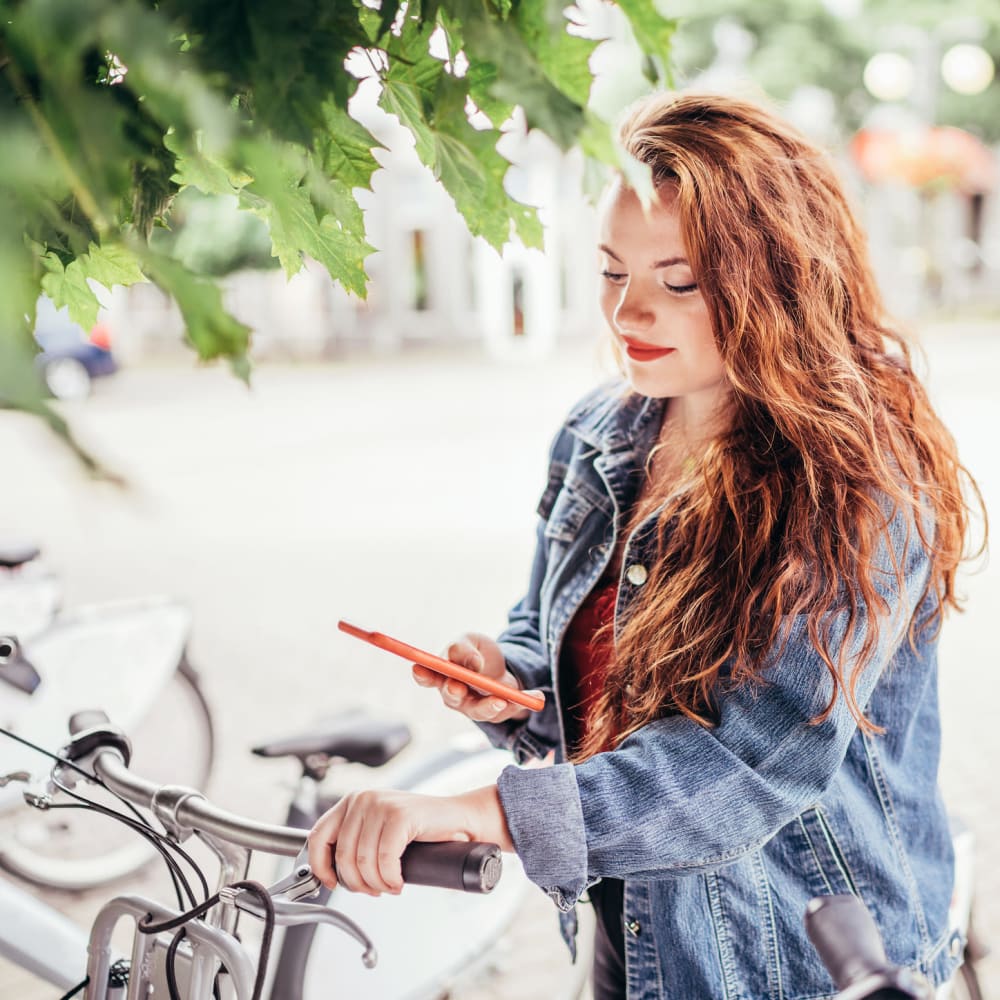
pixel 666 262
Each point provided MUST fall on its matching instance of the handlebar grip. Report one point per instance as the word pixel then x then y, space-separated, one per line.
pixel 454 864
pixel 87 719
pixel 843 932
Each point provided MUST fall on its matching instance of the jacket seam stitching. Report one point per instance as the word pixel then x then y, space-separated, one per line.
pixel 812 851
pixel 837 852
pixel 890 815
pixel 774 966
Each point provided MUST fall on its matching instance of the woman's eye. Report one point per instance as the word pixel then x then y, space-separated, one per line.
pixel 614 276
pixel 680 289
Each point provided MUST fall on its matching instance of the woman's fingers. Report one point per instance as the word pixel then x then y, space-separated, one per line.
pixel 378 868
pixel 426 677
pixel 466 653
pixel 481 654
pixel 355 849
pixel 391 845
pixel 321 840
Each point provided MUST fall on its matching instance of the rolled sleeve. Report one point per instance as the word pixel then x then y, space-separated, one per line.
pixel 546 822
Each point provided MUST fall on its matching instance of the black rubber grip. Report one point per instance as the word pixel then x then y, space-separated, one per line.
pixel 468 867
pixel 843 932
pixel 93 730
pixel 87 719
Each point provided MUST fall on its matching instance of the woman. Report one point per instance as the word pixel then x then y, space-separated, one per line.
pixel 744 552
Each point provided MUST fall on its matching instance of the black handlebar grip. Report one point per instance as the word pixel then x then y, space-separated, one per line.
pixel 87 719
pixel 454 864
pixel 843 932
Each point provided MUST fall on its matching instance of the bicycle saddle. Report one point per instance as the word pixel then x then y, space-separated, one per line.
pixel 12 556
pixel 358 738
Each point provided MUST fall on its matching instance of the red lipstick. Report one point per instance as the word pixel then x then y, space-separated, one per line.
pixel 639 350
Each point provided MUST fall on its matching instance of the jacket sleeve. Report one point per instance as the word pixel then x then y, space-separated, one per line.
pixel 676 798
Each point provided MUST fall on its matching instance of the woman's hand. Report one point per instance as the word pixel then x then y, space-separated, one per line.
pixel 367 833
pixel 482 654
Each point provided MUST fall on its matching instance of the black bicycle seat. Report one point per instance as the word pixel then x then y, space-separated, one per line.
pixel 358 738
pixel 12 556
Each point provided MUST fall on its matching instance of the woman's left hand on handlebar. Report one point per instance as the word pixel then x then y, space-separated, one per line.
pixel 367 832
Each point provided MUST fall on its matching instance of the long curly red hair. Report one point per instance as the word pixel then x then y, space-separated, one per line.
pixel 830 431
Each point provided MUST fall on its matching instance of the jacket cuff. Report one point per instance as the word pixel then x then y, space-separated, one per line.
pixel 545 819
pixel 515 736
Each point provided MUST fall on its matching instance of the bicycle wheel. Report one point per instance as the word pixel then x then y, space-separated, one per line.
pixel 78 849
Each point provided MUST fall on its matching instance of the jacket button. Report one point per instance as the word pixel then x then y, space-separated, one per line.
pixel 956 945
pixel 633 927
pixel 636 574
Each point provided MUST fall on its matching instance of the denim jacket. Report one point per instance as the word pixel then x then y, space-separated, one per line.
pixel 723 834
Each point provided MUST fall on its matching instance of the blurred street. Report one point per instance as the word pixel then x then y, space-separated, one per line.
pixel 399 492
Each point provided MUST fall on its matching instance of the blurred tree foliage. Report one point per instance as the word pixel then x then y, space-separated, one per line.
pixel 109 108
pixel 826 43
pixel 211 235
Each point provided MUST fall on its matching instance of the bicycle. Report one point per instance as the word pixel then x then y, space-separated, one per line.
pixel 193 949
pixel 132 656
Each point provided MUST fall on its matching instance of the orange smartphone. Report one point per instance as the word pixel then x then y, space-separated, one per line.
pixel 442 666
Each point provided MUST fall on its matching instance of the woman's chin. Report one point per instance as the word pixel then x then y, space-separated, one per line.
pixel 646 384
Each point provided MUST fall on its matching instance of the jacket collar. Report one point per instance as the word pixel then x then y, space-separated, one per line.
pixel 614 418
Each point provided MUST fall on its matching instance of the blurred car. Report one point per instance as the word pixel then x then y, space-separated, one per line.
pixel 70 358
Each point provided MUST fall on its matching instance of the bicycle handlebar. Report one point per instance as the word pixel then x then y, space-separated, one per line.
pixel 470 867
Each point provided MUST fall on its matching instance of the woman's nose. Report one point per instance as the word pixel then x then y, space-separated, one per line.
pixel 633 311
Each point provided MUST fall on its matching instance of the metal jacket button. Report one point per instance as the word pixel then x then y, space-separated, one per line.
pixel 634 927
pixel 956 945
pixel 636 574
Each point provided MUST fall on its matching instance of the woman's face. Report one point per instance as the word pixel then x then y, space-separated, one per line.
pixel 651 300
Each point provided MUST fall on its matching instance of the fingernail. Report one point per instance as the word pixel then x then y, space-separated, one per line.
pixel 498 706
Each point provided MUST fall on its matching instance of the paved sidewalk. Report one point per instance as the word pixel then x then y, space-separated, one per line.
pixel 399 492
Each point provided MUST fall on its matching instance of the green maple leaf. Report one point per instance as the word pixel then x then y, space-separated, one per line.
pixel 410 84
pixel 403 100
pixel 480 78
pixel 346 150
pixel 564 58
pixel 112 264
pixel 67 286
pixel 109 265
pixel 472 171
pixel 341 253
pixel 281 193
pixel 193 168
pixel 212 331
pixel 521 78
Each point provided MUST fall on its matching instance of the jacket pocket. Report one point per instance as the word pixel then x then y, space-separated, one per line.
pixel 826 853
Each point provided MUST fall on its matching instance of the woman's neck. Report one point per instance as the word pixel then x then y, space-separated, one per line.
pixel 692 422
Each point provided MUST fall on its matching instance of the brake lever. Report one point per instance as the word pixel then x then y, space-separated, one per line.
pixel 298 884
pixel 286 894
